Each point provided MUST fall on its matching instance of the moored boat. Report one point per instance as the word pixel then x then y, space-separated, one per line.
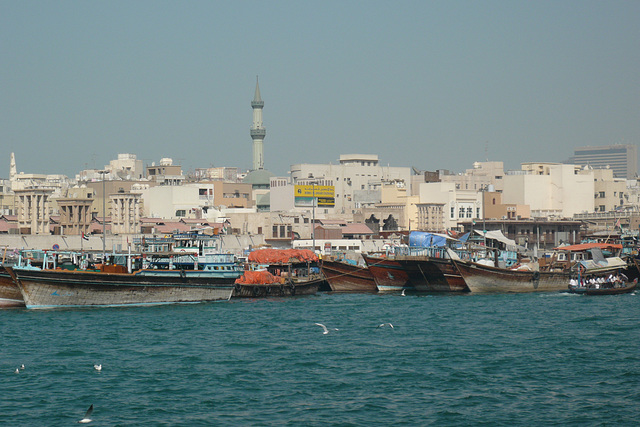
pixel 114 286
pixel 10 295
pixel 388 274
pixel 346 277
pixel 482 278
pixel 279 272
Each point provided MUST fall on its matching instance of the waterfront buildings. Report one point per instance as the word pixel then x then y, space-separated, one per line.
pixel 357 180
pixel 550 189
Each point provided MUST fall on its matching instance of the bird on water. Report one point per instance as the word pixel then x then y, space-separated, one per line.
pixel 97 367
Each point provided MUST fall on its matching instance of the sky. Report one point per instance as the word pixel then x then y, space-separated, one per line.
pixel 427 84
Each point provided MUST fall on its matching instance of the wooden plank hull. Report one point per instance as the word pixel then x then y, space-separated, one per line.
pixel 343 277
pixel 485 279
pixel 388 274
pixel 428 274
pixel 59 288
pixel 275 290
pixel 10 295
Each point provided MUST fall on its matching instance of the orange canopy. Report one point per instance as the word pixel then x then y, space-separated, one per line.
pixel 261 277
pixel 282 256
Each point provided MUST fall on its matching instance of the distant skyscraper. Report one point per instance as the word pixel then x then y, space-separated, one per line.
pixel 622 159
pixel 258 131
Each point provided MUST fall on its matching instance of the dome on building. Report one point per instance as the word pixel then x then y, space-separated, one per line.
pixel 260 178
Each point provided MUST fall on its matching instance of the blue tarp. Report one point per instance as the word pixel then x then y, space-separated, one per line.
pixel 422 239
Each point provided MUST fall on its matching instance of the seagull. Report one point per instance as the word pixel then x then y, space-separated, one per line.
pixel 383 324
pixel 86 418
pixel 22 366
pixel 97 367
pixel 17 371
pixel 326 331
pixel 403 293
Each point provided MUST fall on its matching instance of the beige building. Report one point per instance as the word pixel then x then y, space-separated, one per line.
pixel 609 192
pixel 125 213
pixel 75 215
pixel 482 175
pixel 33 207
pixel 550 189
pixel 495 209
pixel 357 179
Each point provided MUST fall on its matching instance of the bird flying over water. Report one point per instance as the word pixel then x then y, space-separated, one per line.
pixel 86 418
pixel 326 331
pixel 403 293
pixel 382 325
pixel 97 367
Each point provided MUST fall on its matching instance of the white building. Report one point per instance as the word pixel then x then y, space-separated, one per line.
pixel 357 179
pixel 445 199
pixel 609 192
pixel 126 167
pixel 550 189
pixel 185 201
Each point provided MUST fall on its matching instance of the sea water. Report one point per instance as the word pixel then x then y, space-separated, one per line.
pixel 513 359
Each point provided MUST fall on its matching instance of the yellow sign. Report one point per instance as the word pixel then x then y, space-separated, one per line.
pixel 315 191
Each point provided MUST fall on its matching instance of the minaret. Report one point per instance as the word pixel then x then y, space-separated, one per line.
pixel 258 131
pixel 13 171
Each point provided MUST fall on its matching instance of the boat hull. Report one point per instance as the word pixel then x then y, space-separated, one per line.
pixel 343 277
pixel 388 274
pixel 10 295
pixel 275 290
pixel 603 291
pixel 486 279
pixel 428 274
pixel 58 288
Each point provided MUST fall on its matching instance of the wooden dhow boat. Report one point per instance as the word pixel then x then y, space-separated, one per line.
pixel 279 272
pixel 344 276
pixel 10 295
pixel 114 286
pixel 481 278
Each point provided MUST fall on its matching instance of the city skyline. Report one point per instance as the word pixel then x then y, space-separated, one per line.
pixel 503 81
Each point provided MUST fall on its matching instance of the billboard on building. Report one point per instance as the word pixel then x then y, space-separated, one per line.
pixel 324 194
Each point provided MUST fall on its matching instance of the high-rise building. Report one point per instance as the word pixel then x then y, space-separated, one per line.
pixel 622 159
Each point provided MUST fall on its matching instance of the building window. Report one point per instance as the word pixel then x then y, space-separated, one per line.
pixel 461 213
pixel 305 220
pixel 296 220
pixel 259 230
pixel 282 231
pixel 469 212
pixel 477 212
pixel 181 212
pixel 274 231
pixel 601 194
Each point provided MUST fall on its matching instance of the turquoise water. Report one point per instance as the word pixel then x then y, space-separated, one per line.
pixel 531 359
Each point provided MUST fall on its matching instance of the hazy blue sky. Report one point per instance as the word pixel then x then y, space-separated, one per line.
pixel 435 85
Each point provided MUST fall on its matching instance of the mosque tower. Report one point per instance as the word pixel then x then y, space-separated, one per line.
pixel 258 131
pixel 13 171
